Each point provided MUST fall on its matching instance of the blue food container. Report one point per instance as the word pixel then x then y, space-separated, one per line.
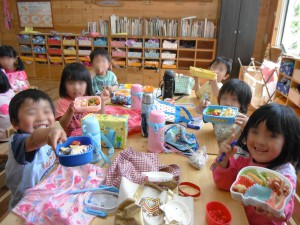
pixel 219 119
pixel 78 159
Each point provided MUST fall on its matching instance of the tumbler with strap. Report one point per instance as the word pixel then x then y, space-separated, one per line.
pixel 136 96
pixel 156 131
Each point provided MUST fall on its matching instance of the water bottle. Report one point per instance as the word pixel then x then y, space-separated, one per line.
pixel 90 127
pixel 136 96
pixel 147 106
pixel 156 131
pixel 169 84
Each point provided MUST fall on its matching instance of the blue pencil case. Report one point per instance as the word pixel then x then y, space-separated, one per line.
pixel 220 114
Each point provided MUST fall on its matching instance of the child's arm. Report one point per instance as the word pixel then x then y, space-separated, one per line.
pixel 197 86
pixel 113 88
pixel 43 136
pixel 214 87
pixel 104 96
pixel 66 118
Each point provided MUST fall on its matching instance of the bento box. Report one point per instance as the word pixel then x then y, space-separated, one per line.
pixel 87 104
pixel 76 151
pixel 202 73
pixel 264 188
pixel 220 114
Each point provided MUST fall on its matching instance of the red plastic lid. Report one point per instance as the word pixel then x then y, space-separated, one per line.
pixel 217 214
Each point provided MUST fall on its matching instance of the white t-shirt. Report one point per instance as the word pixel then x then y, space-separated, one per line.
pixel 206 89
pixel 4 114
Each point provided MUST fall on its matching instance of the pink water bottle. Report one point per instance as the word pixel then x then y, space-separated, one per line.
pixel 156 131
pixel 136 96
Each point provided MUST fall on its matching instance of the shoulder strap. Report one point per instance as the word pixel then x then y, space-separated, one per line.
pixel 182 118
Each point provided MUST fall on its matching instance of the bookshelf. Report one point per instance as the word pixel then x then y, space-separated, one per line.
pixel 290 95
pixel 47 54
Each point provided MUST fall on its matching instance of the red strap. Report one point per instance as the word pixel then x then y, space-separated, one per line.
pixel 196 187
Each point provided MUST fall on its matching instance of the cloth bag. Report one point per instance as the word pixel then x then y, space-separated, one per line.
pixel 183 84
pixel 142 205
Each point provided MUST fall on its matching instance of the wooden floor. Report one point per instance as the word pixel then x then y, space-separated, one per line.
pixel 48 86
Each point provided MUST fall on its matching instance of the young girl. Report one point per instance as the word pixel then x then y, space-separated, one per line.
pixel 238 94
pixel 6 94
pixel 102 78
pixel 75 82
pixel 210 89
pixel 270 139
pixel 14 68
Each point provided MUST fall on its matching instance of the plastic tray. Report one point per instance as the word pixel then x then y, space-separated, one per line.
pixel 87 108
pixel 202 73
pixel 257 202
pixel 79 159
pixel 219 119
pixel 102 200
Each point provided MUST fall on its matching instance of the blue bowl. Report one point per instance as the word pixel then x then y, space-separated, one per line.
pixel 78 159
pixel 219 119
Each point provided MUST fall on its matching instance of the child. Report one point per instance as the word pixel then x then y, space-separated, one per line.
pixel 6 94
pixel 238 94
pixel 14 68
pixel 102 78
pixel 75 82
pixel 210 89
pixel 31 150
pixel 270 139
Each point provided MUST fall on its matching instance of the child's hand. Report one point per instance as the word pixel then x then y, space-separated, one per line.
pixel 110 89
pixel 228 150
pixel 202 105
pixel 269 215
pixel 72 107
pixel 56 135
pixel 241 120
pixel 105 95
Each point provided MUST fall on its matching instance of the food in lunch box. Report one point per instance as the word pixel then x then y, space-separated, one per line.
pixel 264 186
pixel 87 102
pixel 228 112
pixel 215 112
pixel 75 148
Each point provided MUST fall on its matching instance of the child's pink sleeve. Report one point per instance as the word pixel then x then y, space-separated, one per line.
pixel 289 208
pixel 224 177
pixel 61 107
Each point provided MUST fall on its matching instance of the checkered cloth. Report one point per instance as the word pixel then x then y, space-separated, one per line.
pixel 183 84
pixel 131 164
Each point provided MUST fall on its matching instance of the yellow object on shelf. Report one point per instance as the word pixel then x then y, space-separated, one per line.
pixel 41 59
pixel 55 59
pixel 202 73
pixel 164 66
pixel 26 58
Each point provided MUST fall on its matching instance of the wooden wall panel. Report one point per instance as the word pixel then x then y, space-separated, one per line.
pixel 72 16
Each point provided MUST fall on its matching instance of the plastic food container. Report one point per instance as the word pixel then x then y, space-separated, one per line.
pixel 255 186
pixel 176 211
pixel 220 114
pixel 217 214
pixel 78 159
pixel 202 73
pixel 80 104
pixel 104 201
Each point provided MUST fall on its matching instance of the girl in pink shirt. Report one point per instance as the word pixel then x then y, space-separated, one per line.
pixel 6 94
pixel 14 68
pixel 270 139
pixel 75 82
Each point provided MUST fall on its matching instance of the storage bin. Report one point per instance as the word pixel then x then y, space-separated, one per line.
pixel 136 64
pixel 118 54
pixel 287 68
pixel 169 45
pixel 55 59
pixel 164 66
pixel 38 40
pixel 69 42
pixel 135 54
pixel 25 49
pixel 53 42
pixel 151 45
pixel 54 51
pixel 119 63
pixel 167 55
pixel 151 55
pixel 100 43
pixel 118 44
pixel 283 88
pixel 26 58
pixel 294 96
pixel 69 52
pixel 24 41
pixel 84 42
pixel 84 52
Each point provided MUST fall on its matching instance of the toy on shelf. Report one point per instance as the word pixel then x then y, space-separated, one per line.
pixel 262 187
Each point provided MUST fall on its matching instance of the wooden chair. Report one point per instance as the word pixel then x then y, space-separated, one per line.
pixel 295 219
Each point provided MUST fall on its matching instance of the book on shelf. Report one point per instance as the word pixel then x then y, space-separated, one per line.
pixel 129 26
pixel 161 27
pixel 192 27
pixel 103 27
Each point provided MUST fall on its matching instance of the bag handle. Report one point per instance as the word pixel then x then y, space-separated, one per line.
pixel 182 118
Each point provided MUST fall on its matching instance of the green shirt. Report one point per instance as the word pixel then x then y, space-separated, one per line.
pixel 98 81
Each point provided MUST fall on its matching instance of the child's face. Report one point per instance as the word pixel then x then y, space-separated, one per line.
pixel 264 145
pixel 220 69
pixel 33 115
pixel 76 88
pixel 100 64
pixel 7 62
pixel 229 99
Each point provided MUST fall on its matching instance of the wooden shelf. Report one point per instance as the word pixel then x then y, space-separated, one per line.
pixel 186 59
pixel 281 93
pixel 187 49
pixel 288 77
pixel 169 49
pixel 205 50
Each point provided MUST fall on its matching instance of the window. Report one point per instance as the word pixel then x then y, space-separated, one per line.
pixel 288 35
